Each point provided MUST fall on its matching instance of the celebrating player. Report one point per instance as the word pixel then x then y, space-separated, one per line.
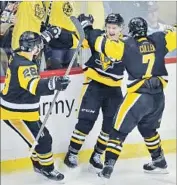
pixel 143 106
pixel 19 105
pixel 101 90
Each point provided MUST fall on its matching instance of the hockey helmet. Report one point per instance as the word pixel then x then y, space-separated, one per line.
pixel 138 27
pixel 28 40
pixel 114 19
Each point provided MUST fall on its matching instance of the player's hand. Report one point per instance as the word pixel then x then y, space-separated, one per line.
pixel 86 20
pixel 58 83
pixel 50 33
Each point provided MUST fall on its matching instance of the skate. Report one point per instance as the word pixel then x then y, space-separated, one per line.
pixel 53 175
pixel 71 160
pixel 36 166
pixel 95 162
pixel 157 166
pixel 106 172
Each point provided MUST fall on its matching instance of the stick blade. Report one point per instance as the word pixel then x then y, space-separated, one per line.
pixel 79 28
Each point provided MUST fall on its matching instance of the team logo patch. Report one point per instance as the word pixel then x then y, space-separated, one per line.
pixel 67 9
pixel 39 11
pixel 105 62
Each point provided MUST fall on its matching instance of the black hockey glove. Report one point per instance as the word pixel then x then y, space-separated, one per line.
pixel 50 33
pixel 153 83
pixel 58 83
pixel 86 21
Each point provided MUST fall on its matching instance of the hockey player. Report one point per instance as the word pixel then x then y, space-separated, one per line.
pixel 19 105
pixel 143 105
pixel 101 90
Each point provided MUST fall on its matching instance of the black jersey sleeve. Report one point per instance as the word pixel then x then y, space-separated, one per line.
pixel 167 40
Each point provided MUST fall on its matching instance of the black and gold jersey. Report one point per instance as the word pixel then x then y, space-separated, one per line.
pixel 22 90
pixel 100 67
pixel 142 58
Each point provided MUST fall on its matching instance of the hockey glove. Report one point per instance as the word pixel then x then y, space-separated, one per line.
pixel 58 83
pixel 153 83
pixel 50 33
pixel 86 21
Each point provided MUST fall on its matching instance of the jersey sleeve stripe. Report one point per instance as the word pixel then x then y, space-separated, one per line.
pixel 33 85
pixel 19 106
pixel 98 44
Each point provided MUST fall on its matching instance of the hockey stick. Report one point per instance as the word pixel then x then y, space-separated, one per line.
pixel 48 13
pixel 81 38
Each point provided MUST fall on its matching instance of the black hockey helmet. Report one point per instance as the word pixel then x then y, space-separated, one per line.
pixel 114 18
pixel 28 40
pixel 138 27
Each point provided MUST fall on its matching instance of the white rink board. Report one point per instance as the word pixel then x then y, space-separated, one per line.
pixel 62 124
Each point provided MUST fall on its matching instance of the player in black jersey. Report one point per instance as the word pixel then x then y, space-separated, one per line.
pixel 143 105
pixel 101 90
pixel 19 105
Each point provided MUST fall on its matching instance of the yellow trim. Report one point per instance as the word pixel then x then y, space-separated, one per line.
pixel 129 101
pixel 102 142
pixel 152 138
pixel 164 83
pixel 92 74
pixel 135 87
pixel 44 156
pixel 141 39
pixel 98 43
pixel 103 133
pixel 27 55
pixel 27 116
pixel 23 130
pixel 153 147
pixel 114 141
pixel 113 151
pixel 77 141
pixel 80 133
pixel 46 163
pixel 85 44
pixel 33 90
pixel 75 41
pixel 129 151
pixel 35 158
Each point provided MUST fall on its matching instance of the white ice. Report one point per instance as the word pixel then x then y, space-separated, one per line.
pixel 127 172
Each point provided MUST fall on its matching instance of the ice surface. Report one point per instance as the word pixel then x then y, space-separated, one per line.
pixel 127 172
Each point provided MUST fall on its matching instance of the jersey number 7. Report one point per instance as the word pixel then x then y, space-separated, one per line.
pixel 149 59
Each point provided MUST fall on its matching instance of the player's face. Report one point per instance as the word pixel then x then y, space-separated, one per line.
pixel 37 49
pixel 113 31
